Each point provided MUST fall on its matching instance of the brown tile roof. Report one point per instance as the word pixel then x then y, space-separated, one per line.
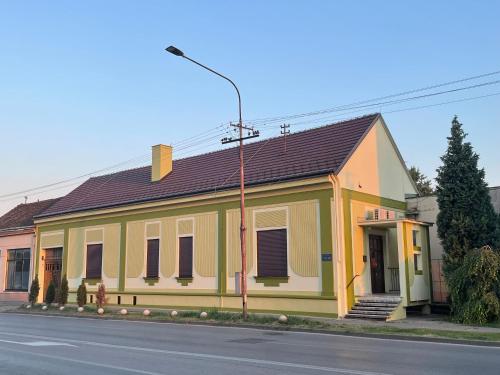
pixel 313 152
pixel 22 215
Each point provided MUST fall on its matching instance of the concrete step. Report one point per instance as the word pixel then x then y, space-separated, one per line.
pixel 373 304
pixel 378 307
pixel 370 299
pixel 372 308
pixel 365 316
pixel 370 312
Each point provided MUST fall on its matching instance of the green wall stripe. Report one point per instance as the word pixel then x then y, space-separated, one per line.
pixel 65 252
pixel 346 202
pixel 325 214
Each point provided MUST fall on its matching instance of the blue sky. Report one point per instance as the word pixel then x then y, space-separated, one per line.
pixel 87 85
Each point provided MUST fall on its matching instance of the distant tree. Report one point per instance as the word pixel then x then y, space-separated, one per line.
pixel 466 218
pixel 423 183
pixel 50 296
pixel 34 290
pixel 63 291
pixel 81 294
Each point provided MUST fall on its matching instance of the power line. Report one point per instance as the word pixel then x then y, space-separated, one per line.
pixel 408 92
pixel 384 103
pixel 70 179
pixel 190 144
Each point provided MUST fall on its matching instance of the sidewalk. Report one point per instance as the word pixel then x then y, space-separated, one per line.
pixel 431 322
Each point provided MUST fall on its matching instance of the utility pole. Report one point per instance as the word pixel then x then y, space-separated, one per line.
pixel 285 130
pixel 251 134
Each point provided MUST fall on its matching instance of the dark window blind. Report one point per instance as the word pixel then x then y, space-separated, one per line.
pixel 94 261
pixel 186 257
pixel 271 253
pixel 153 258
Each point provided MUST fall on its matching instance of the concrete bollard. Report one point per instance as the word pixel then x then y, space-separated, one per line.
pixel 283 319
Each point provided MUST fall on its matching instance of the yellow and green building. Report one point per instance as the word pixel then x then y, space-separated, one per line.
pixel 325 216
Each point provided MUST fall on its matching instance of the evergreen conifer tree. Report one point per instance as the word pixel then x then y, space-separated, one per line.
pixel 466 218
pixel 50 296
pixel 34 290
pixel 63 291
pixel 81 294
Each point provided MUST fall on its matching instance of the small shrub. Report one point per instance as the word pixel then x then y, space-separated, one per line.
pixel 63 291
pixel 81 294
pixel 34 290
pixel 100 298
pixel 50 296
pixel 475 287
pixel 57 298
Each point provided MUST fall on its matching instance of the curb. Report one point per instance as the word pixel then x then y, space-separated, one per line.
pixel 389 336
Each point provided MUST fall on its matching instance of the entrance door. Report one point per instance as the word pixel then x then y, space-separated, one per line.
pixel 377 263
pixel 53 267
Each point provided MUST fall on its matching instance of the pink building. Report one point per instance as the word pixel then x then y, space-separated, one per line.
pixel 17 245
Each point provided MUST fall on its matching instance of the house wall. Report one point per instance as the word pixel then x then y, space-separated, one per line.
pixel 374 176
pixel 305 211
pixel 418 282
pixel 376 167
pixel 426 209
pixel 355 206
pixel 20 241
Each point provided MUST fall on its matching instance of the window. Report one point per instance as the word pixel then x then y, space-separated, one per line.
pixel 416 238
pixel 271 253
pixel 94 261
pixel 153 257
pixel 18 269
pixel 186 257
pixel 417 259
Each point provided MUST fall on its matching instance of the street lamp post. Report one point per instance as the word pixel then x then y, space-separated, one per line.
pixel 177 52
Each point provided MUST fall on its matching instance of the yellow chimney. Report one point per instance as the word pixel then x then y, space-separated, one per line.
pixel 162 162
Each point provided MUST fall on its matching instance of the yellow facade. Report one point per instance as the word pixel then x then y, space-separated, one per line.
pixel 326 240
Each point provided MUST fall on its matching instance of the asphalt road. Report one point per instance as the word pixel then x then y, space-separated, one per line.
pixel 58 345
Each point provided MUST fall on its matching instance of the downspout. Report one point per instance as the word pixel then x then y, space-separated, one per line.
pixel 32 255
pixel 339 247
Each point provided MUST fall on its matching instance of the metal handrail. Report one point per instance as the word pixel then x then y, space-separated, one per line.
pixel 350 282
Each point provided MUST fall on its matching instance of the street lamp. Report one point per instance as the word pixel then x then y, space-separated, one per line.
pixel 177 52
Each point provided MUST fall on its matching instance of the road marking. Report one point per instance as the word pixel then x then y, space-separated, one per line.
pixel 79 361
pixel 332 334
pixel 38 343
pixel 252 361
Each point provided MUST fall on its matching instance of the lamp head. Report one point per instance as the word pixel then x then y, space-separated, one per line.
pixel 174 51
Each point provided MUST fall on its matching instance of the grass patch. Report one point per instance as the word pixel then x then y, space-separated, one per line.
pixel 218 317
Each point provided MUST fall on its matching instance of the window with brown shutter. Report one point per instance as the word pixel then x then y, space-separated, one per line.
pixel 153 257
pixel 271 253
pixel 185 257
pixel 94 261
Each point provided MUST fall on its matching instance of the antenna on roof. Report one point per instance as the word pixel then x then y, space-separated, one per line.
pixel 285 130
pixel 25 199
